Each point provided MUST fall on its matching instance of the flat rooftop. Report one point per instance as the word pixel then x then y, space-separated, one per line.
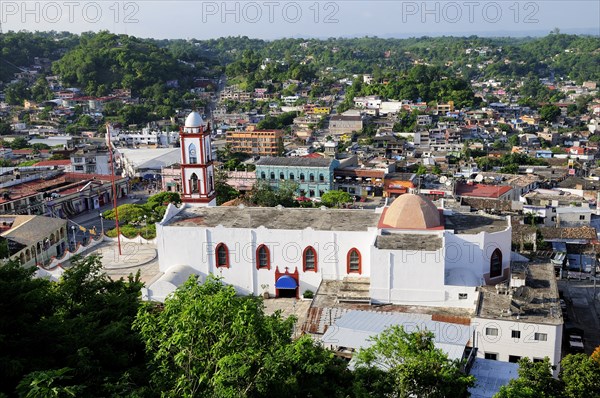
pixel 277 218
pixel 471 223
pixel 536 302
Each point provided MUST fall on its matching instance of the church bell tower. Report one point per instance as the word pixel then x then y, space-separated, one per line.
pixel 197 171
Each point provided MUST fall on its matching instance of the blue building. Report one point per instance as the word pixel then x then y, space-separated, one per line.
pixel 313 175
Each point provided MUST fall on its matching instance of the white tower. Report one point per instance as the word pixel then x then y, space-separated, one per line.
pixel 197 172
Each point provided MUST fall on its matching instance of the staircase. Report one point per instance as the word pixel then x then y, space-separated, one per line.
pixel 354 290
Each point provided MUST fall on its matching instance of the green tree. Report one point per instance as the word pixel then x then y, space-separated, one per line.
pixel 5 128
pixel 415 365
pixel 335 198
pixel 580 375
pixel 19 143
pixel 549 113
pixel 535 380
pixel 224 191
pixel 263 194
pixel 209 341
pixel 128 213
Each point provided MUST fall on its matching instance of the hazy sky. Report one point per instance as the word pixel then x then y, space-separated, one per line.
pixel 303 18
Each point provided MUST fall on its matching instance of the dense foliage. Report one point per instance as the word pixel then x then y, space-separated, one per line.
pixel 579 377
pixel 73 336
pixel 105 61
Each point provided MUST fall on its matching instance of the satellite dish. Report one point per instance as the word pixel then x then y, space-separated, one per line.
pixel 443 179
pixel 478 178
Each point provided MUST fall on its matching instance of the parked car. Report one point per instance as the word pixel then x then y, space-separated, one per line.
pixel 576 343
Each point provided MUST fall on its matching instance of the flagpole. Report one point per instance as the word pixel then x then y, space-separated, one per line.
pixel 114 187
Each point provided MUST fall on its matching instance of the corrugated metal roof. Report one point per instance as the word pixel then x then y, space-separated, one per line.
pixel 354 330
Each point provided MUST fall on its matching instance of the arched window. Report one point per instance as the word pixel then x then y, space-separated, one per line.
pixel 321 178
pixel 27 255
pixel 192 155
pixel 309 259
pixel 263 257
pixel 272 175
pixel 311 177
pixel 291 176
pixel 263 175
pixel 496 264
pixel 302 177
pixel 222 255
pixel 281 176
pixel 194 187
pixel 354 263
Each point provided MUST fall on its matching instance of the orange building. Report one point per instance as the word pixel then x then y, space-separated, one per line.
pixel 257 142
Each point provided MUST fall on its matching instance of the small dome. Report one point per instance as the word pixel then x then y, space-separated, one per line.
pixel 194 120
pixel 410 211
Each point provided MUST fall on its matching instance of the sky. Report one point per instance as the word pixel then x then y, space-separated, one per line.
pixel 272 19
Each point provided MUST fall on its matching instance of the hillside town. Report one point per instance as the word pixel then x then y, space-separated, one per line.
pixel 355 202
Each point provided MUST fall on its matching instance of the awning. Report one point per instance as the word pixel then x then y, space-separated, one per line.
pixel 286 282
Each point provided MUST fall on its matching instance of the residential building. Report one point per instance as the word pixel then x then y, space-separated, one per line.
pixel 33 240
pixel 257 142
pixel 521 317
pixel 91 160
pixel 341 124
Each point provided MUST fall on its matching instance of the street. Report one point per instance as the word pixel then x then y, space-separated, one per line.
pixel 91 219
pixel 582 310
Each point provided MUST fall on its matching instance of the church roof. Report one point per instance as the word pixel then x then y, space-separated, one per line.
pixel 410 211
pixel 277 218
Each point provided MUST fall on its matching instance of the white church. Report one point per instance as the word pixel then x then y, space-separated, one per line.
pixel 408 252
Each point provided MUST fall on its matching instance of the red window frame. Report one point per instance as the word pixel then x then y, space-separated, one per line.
pixel 306 250
pixel 258 249
pixel 224 246
pixel 351 271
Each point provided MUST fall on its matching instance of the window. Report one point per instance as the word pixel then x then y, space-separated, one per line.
pixel 354 261
pixel 496 264
pixel 192 157
pixel 194 183
pixel 309 259
pixel 491 355
pixel 540 337
pixel 513 358
pixel 321 192
pixel 281 176
pixel 491 332
pixel 538 360
pixel 222 255
pixel 263 176
pixel 582 217
pixel 515 334
pixel 291 176
pixel 311 193
pixel 311 177
pixel 263 257
pixel 302 177
pixel 272 175
pixel 553 218
pixel 462 296
pixel 321 178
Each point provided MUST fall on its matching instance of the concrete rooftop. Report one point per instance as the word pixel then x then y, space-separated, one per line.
pixel 277 218
pixel 536 302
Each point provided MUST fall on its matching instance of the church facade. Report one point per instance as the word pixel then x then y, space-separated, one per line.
pixel 409 252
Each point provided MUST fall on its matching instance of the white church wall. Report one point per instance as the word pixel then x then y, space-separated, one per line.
pixel 474 251
pixel 196 246
pixel 408 277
